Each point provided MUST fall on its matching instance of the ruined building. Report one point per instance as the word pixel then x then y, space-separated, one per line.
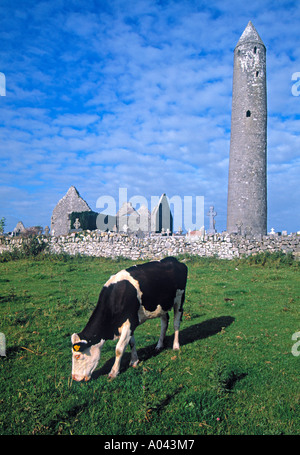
pixel 71 202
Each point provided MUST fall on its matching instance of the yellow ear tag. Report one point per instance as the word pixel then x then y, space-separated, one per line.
pixel 76 347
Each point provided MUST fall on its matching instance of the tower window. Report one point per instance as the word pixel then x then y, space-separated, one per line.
pixel 255 49
pixel 248 114
pixel 257 73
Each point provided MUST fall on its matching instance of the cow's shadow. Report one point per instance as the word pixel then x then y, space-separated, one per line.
pixel 188 335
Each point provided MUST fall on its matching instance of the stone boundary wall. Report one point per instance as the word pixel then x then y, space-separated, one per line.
pixel 112 245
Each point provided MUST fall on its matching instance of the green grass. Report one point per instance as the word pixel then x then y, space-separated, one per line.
pixel 234 373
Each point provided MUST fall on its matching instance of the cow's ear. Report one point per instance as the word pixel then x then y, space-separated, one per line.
pixel 75 338
pixel 98 345
pixel 78 344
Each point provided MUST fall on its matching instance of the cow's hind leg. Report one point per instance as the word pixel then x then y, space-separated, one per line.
pixel 120 348
pixel 178 310
pixel 164 322
pixel 134 357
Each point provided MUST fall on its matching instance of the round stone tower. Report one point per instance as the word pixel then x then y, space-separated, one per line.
pixel 247 183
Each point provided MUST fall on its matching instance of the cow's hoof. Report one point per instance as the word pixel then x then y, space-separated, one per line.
pixel 112 375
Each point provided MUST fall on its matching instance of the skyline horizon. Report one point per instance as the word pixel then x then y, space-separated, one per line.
pixel 138 202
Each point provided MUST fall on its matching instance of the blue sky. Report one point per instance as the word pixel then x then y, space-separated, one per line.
pixel 137 94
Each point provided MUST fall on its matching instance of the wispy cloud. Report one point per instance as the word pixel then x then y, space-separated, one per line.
pixel 138 94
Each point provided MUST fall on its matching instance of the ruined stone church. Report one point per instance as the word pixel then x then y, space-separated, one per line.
pixel 71 202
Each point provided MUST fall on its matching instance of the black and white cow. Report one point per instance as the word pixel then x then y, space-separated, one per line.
pixel 127 300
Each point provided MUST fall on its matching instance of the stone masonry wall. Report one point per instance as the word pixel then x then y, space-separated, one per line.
pixel 112 245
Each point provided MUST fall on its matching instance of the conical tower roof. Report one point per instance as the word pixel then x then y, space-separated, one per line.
pixel 250 35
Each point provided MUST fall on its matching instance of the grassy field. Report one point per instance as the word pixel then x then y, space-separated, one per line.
pixel 234 374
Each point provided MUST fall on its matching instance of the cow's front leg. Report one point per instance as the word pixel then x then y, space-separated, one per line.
pixel 164 321
pixel 120 348
pixel 134 357
pixel 177 320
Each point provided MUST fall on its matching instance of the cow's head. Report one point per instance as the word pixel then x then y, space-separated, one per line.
pixel 85 357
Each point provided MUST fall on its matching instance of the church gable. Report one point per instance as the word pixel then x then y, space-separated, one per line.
pixel 71 202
